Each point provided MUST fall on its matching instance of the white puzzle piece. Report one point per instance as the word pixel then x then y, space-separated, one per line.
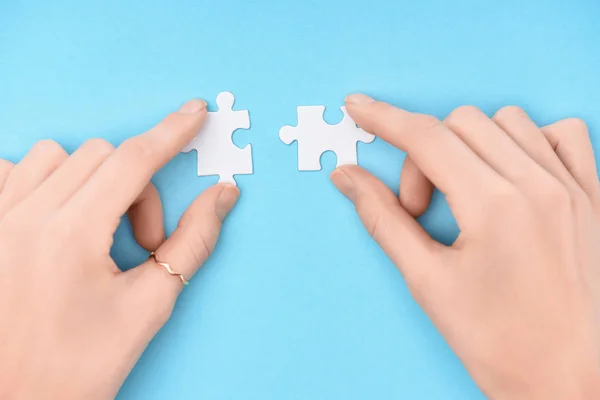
pixel 315 136
pixel 217 154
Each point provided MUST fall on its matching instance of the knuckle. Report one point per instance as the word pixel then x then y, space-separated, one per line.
pixel 576 125
pixel 198 246
pixel 554 194
pixel 498 206
pixel 100 146
pixel 509 112
pixel 426 123
pixel 461 114
pixel 504 196
pixel 374 227
pixel 138 148
pixel 372 217
pixel 50 147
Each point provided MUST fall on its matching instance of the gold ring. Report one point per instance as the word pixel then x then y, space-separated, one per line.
pixel 168 268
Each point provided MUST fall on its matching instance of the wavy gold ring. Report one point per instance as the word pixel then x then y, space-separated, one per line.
pixel 168 268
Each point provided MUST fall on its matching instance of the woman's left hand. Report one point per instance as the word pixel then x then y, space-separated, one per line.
pixel 72 325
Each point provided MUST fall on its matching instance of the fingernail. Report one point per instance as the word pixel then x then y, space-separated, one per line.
pixel 192 107
pixel 226 200
pixel 342 181
pixel 359 99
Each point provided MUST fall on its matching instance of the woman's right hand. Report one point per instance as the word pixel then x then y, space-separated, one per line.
pixel 517 296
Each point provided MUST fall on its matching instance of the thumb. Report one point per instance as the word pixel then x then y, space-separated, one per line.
pixel 407 244
pixel 155 285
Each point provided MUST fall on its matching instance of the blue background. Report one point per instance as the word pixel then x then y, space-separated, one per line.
pixel 297 301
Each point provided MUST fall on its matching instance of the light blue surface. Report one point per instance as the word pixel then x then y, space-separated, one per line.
pixel 297 301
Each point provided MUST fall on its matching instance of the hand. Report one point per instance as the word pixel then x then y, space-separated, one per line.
pixel 72 325
pixel 517 296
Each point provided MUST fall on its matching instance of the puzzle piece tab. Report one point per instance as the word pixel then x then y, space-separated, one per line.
pixel 315 136
pixel 216 152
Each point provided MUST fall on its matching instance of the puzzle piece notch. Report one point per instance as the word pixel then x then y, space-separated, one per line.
pixel 216 152
pixel 315 137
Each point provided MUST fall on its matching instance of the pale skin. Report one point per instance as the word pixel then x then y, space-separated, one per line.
pixel 517 296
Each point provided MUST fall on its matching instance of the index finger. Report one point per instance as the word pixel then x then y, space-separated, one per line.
pixel 441 155
pixel 124 175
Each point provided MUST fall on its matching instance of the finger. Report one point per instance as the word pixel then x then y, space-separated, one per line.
pixel 493 145
pixel 415 189
pixel 187 248
pixel 147 220
pixel 128 170
pixel 517 124
pixel 72 174
pixel 5 168
pixel 570 140
pixel 399 235
pixel 43 159
pixel 447 161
